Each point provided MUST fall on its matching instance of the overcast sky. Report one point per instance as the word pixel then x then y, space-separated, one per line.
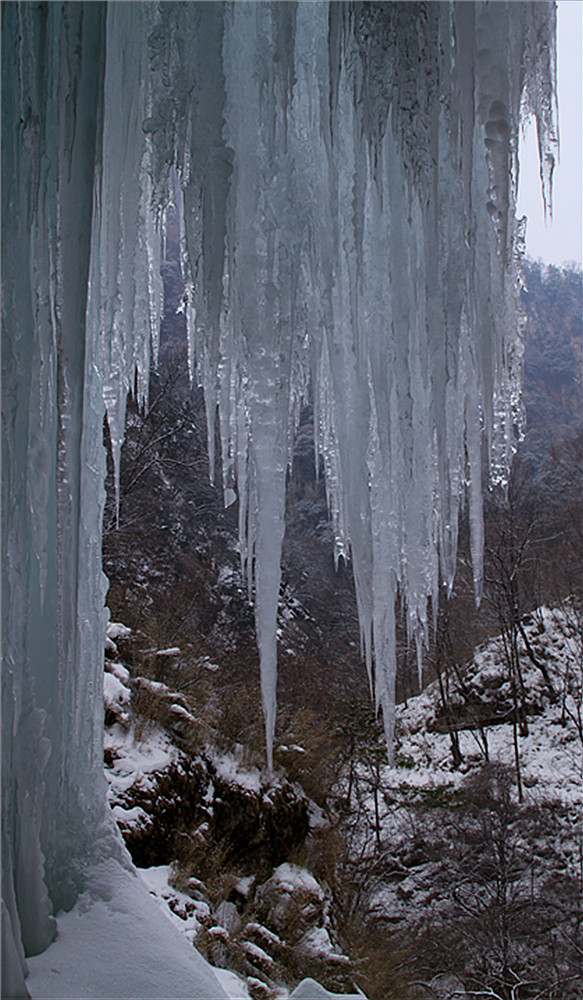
pixel 561 241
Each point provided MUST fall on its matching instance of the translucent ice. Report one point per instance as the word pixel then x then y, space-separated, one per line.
pixel 346 178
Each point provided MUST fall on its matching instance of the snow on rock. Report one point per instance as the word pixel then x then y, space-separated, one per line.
pixel 316 943
pixel 187 914
pixel 136 761
pixel 258 956
pixel 155 687
pixel 132 818
pixel 253 814
pixel 111 649
pixel 163 698
pixel 116 698
pixel 161 781
pixel 291 878
pixel 227 915
pixel 291 901
pixel 158 705
pixel 259 990
pixel 317 817
pixel 155 789
pixel 117 630
pixel 118 670
pixel 179 712
pixel 308 989
pixel 245 885
pixel 261 933
pixel 229 770
pixel 116 943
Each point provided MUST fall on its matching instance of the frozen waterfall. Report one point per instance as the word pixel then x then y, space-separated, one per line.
pixel 347 177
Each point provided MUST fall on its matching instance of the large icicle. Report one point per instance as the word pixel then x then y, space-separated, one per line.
pixel 346 175
pixel 265 243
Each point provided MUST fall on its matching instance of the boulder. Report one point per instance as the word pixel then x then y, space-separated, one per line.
pixel 291 902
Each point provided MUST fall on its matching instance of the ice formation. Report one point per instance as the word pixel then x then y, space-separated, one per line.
pixel 346 174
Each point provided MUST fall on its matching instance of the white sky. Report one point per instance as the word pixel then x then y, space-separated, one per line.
pixel 560 241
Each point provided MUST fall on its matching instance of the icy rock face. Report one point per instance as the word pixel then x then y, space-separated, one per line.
pixel 346 177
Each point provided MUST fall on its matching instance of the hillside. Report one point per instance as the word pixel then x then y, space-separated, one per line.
pixel 483 806
pixel 462 877
pixel 553 358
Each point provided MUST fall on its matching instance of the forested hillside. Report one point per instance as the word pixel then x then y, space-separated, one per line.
pixel 171 557
pixel 492 720
pixel 553 360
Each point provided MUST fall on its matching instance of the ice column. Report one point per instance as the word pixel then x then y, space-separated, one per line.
pixel 78 305
pixel 52 74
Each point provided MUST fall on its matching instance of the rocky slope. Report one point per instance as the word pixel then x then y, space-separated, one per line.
pixel 440 877
pixel 214 837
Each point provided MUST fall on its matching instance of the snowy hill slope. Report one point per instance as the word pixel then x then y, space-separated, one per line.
pixel 470 888
pixel 473 873
pixel 551 758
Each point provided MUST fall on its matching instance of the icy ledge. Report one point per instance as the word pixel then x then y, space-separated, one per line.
pixel 116 942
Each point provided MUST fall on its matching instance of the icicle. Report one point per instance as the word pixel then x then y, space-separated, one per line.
pixel 347 182
pixel 356 190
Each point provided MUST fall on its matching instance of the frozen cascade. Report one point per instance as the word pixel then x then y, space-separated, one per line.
pixel 346 175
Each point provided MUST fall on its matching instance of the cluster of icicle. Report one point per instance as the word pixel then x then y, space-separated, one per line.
pixel 346 178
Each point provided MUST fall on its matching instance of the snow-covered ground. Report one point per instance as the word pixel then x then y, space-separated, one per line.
pixel 551 755
pixel 118 942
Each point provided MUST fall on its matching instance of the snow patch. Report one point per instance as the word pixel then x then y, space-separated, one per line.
pixel 229 769
pixel 117 630
pixel 308 989
pixel 290 878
